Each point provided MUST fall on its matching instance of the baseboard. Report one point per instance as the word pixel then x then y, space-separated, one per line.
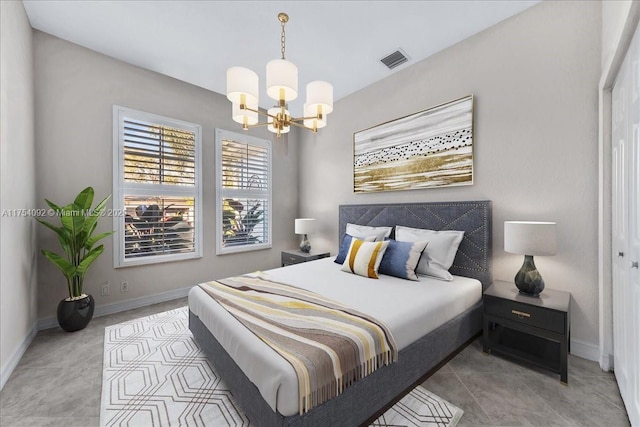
pixel 585 350
pixel 117 307
pixel 606 362
pixel 8 369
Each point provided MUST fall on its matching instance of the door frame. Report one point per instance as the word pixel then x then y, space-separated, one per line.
pixel 605 282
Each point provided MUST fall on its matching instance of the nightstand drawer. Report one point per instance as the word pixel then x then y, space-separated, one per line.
pixel 289 258
pixel 550 320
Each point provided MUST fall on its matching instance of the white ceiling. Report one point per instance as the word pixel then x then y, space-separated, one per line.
pixel 341 42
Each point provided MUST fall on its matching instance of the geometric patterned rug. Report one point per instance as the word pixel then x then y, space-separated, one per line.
pixel 154 374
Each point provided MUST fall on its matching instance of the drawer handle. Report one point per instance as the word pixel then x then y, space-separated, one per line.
pixel 520 314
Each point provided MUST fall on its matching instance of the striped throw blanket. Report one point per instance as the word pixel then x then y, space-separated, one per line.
pixel 330 346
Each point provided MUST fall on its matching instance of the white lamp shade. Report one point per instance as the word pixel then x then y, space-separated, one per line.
pixel 530 238
pixel 305 225
pixel 242 81
pixel 282 74
pixel 274 111
pixel 313 123
pixel 319 98
pixel 240 116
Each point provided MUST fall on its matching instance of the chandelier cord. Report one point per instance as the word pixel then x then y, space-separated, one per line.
pixel 282 38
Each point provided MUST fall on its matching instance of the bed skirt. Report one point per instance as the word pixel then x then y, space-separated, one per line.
pixel 364 400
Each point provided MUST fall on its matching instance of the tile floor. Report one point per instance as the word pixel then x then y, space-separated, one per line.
pixel 59 381
pixel 494 391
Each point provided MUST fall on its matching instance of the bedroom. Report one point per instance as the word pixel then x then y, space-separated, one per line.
pixel 536 98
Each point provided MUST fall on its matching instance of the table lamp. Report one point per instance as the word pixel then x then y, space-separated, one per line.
pixel 529 238
pixel 305 226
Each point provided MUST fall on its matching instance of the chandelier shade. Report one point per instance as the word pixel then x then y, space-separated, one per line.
pixel 244 116
pixel 319 98
pixel 282 86
pixel 313 123
pixel 282 75
pixel 242 86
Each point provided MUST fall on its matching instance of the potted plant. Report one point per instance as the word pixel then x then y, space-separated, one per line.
pixel 78 222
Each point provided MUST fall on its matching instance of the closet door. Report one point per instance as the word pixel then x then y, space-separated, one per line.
pixel 626 229
pixel 633 401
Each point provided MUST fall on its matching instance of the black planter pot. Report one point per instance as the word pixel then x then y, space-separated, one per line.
pixel 75 315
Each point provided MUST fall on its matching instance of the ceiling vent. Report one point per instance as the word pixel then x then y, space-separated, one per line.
pixel 396 58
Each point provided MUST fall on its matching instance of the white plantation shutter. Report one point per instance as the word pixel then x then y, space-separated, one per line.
pixel 243 179
pixel 158 154
pixel 156 188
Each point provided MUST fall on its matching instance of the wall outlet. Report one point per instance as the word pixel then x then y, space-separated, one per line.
pixel 106 288
pixel 124 287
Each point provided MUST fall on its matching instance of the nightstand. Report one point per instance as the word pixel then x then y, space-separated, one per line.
pixel 528 329
pixel 296 257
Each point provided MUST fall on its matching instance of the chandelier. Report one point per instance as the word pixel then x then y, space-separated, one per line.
pixel 282 86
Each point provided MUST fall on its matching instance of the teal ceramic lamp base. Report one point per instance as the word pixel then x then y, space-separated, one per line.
pixel 528 279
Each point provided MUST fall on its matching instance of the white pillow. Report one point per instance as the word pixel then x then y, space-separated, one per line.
pixel 439 254
pixel 362 231
pixel 364 258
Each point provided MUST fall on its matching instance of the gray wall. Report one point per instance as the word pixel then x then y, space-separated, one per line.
pixel 17 186
pixel 75 91
pixel 535 79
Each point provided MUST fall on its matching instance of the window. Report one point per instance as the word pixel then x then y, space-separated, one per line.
pixel 157 195
pixel 243 181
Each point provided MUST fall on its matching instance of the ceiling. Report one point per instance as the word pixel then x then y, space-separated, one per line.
pixel 341 42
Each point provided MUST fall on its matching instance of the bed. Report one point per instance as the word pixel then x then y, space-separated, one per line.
pixel 419 356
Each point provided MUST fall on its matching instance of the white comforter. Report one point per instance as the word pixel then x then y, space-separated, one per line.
pixel 410 310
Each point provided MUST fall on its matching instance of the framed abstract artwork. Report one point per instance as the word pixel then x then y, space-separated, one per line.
pixel 431 148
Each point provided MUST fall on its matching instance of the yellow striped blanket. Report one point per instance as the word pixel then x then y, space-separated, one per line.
pixel 330 346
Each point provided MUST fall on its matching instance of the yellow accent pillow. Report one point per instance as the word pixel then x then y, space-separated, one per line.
pixel 364 258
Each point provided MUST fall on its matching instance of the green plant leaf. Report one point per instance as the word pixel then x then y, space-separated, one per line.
pixel 63 265
pixel 91 220
pixel 71 218
pixel 49 225
pixel 90 223
pixel 93 240
pixel 100 206
pixel 64 239
pixel 84 199
pixel 89 258
pixel 85 234
pixel 53 205
pixel 63 236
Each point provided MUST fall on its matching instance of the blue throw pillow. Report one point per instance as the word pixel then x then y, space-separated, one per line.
pixel 345 245
pixel 401 259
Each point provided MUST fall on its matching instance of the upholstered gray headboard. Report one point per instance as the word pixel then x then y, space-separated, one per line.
pixel 474 218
